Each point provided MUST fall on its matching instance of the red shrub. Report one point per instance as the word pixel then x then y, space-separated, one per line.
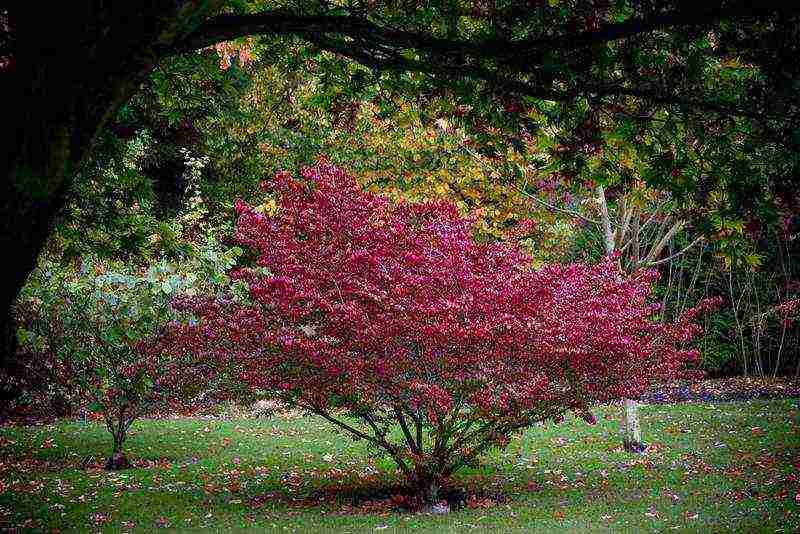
pixel 433 346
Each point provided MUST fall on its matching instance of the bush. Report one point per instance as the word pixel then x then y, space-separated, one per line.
pixel 391 322
pixel 89 335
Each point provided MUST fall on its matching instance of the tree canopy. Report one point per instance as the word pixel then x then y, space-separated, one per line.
pixel 706 91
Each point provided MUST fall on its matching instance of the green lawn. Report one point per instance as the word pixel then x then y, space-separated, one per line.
pixel 713 468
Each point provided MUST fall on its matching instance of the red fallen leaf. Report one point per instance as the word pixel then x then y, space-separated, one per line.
pixel 98 518
pixel 474 502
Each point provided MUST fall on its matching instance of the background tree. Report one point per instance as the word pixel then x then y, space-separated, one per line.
pixel 483 157
pixel 68 73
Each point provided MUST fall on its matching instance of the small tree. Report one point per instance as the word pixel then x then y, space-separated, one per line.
pixel 391 322
pixel 91 332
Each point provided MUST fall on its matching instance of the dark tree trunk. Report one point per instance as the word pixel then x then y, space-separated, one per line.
pixel 74 64
pixel 118 461
pixel 428 487
pixel 27 209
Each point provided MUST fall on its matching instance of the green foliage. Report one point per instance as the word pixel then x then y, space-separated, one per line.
pixel 755 275
pixel 86 333
pixel 208 126
pixel 123 302
pixel 139 197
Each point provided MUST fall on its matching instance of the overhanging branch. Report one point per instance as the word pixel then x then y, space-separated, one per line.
pixel 518 66
pixel 356 26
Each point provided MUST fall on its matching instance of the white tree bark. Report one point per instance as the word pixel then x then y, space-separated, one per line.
pixel 631 431
pixel 630 428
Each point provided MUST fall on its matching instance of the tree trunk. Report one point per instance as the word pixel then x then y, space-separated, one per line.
pixel 631 432
pixel 118 461
pixel 429 489
pixel 74 64
pixel 26 214
pixel 8 343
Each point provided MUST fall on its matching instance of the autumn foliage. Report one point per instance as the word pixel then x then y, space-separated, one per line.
pixel 392 322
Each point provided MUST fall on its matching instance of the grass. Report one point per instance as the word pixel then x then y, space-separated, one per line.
pixel 713 468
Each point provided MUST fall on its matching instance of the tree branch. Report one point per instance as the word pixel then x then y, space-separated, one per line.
pixel 228 26
pixel 656 250
pixel 679 253
pixel 409 439
pixel 375 44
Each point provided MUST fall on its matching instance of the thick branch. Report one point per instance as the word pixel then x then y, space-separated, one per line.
pixel 677 254
pixel 373 43
pixel 227 27
pixel 608 234
pixel 414 446
pixel 656 250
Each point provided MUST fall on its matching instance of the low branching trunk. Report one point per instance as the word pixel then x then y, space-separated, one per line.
pixel 118 461
pixel 119 432
pixel 428 487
